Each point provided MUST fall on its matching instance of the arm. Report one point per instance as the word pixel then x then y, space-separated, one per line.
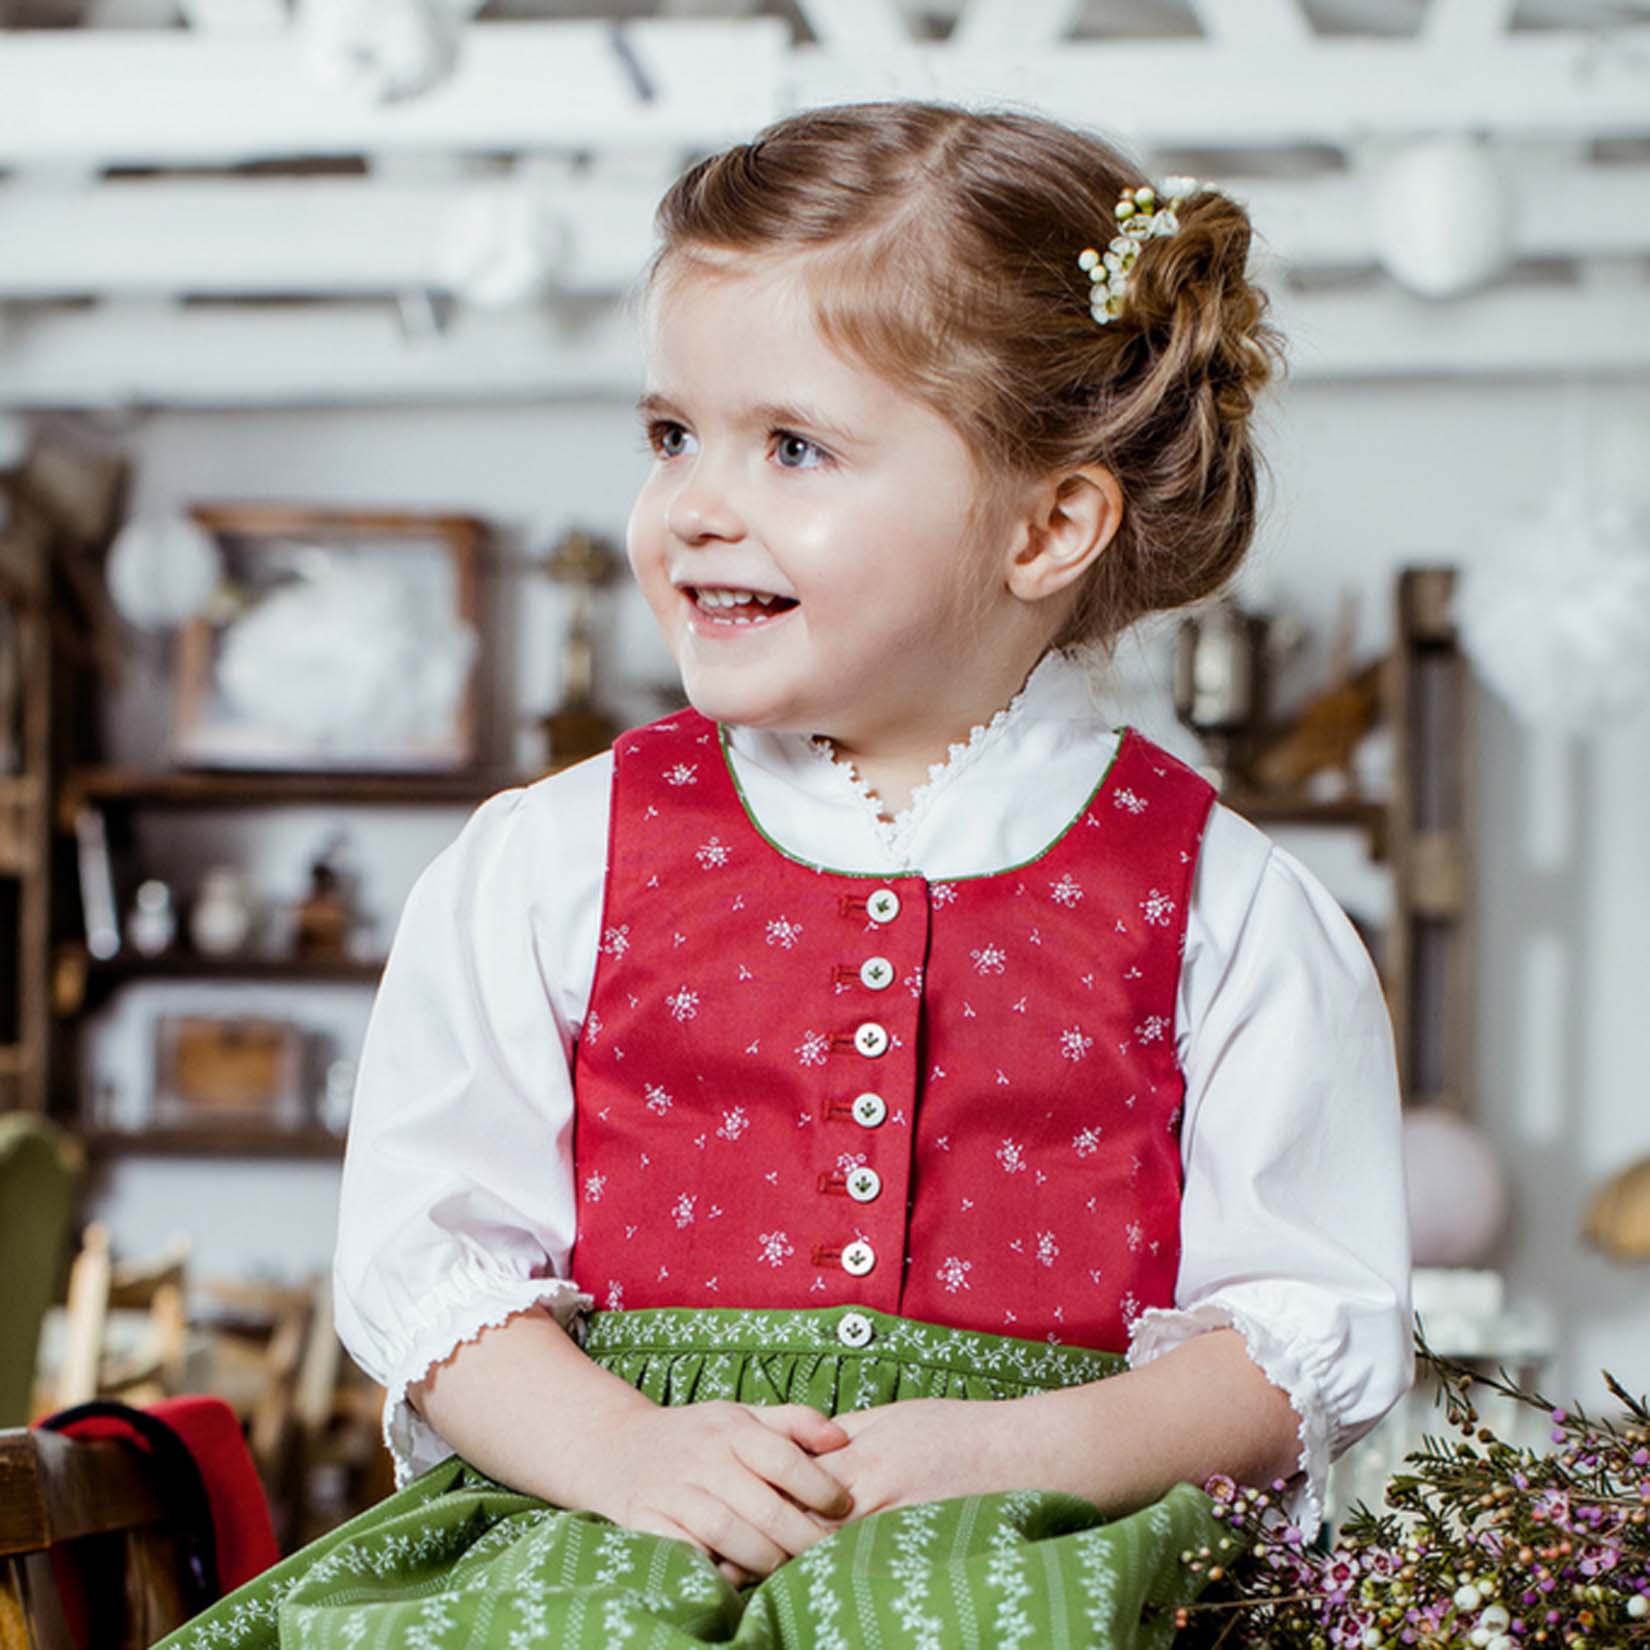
pixel 1121 1443
pixel 525 1405
pixel 457 1208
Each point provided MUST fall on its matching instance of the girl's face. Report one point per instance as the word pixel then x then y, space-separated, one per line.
pixel 808 537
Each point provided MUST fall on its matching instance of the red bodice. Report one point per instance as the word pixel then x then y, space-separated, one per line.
pixel 958 1101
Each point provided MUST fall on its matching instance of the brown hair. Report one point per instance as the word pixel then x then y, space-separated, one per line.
pixel 947 246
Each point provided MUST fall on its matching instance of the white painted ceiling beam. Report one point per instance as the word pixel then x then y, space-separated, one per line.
pixel 182 98
pixel 1013 25
pixel 1537 84
pixel 341 236
pixel 138 355
pixel 856 25
pixel 1251 23
pixel 1465 25
pixel 298 236
pixel 176 97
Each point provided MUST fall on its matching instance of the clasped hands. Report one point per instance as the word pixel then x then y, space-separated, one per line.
pixel 751 1485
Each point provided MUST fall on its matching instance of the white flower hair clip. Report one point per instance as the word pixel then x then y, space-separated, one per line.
pixel 1141 214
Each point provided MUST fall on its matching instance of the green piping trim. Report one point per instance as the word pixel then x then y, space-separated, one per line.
pixel 1125 734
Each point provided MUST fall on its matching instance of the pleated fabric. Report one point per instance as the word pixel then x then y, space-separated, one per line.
pixel 457 1560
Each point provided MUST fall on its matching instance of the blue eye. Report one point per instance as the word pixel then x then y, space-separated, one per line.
pixel 796 452
pixel 667 438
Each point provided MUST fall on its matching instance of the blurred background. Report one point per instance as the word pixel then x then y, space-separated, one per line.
pixel 317 356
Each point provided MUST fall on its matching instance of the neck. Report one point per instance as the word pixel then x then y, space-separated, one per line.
pixel 894 762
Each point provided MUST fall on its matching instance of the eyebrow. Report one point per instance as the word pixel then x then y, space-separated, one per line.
pixel 789 414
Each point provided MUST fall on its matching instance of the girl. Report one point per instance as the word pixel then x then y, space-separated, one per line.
pixel 886 1027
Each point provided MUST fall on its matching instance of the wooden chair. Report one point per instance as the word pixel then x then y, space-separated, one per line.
pixel 99 1286
pixel 97 1503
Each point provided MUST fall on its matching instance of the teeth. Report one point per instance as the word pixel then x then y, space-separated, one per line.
pixel 734 598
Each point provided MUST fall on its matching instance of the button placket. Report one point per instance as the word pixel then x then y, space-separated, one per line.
pixel 890 1040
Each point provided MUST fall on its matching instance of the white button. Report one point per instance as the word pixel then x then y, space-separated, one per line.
pixel 870 1110
pixel 884 905
pixel 854 1329
pixel 858 1258
pixel 871 1040
pixel 877 973
pixel 864 1185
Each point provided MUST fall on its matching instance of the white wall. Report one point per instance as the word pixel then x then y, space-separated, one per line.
pixel 1369 477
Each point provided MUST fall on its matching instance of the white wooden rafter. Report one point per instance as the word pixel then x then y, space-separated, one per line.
pixel 116 355
pixel 1247 24
pixel 1012 25
pixel 179 98
pixel 173 97
pixel 369 236
pixel 856 25
pixel 1465 25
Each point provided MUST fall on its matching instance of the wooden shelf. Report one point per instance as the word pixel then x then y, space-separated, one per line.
pixel 188 966
pixel 1370 817
pixel 166 789
pixel 225 1140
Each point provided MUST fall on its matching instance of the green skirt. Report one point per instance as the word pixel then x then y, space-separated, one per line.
pixel 457 1560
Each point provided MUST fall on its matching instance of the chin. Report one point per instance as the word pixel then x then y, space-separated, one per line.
pixel 744 704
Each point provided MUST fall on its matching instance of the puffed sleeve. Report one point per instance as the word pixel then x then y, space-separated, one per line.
pixel 1293 1223
pixel 457 1208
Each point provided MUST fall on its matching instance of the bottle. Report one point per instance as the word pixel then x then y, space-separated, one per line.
pixel 222 918
pixel 153 924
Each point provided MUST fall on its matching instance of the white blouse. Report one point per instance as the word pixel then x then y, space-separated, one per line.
pixel 458 1198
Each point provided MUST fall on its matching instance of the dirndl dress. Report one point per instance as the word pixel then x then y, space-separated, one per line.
pixel 457 1560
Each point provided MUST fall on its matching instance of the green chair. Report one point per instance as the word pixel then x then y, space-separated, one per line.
pixel 39 1170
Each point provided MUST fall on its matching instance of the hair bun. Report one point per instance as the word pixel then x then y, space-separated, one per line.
pixel 1191 298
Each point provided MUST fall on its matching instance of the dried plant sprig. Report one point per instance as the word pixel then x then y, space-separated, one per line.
pixel 1481 1543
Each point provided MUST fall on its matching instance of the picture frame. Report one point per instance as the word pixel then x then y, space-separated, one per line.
pixel 339 641
pixel 232 1070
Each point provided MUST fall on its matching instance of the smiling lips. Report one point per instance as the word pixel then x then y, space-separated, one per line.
pixel 728 608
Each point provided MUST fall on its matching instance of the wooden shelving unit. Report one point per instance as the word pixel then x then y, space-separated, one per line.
pixel 137 787
pixel 228 1140
pixel 82 983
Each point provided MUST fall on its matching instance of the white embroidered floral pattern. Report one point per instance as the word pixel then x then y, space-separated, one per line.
pixel 714 854
pixel 783 932
pixel 1067 891
pixel 814 1048
pixel 1073 1044
pixel 1157 908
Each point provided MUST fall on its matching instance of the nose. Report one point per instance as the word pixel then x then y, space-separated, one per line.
pixel 702 508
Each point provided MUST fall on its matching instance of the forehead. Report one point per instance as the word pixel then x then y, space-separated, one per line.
pixel 729 333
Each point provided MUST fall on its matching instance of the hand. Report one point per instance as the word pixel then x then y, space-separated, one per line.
pixel 927 1449
pixel 738 1481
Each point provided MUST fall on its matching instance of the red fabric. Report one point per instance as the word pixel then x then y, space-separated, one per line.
pixel 211 1433
pixel 240 1513
pixel 1029 1159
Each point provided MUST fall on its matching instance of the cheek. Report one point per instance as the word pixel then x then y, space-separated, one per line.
pixel 645 544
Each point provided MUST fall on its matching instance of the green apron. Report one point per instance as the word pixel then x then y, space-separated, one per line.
pixel 457 1562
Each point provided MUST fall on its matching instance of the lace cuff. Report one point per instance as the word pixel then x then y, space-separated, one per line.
pixel 413 1443
pixel 1289 1365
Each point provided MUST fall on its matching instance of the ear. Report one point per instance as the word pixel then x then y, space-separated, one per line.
pixel 1071 519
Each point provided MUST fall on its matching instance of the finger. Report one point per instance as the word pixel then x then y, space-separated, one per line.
pixel 656 1523
pixel 779 1462
pixel 726 1531
pixel 737 1576
pixel 770 1510
pixel 807 1427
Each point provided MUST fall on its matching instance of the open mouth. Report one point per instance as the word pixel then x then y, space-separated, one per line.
pixel 733 608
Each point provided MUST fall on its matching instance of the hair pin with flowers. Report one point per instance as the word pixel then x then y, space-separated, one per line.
pixel 1142 213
